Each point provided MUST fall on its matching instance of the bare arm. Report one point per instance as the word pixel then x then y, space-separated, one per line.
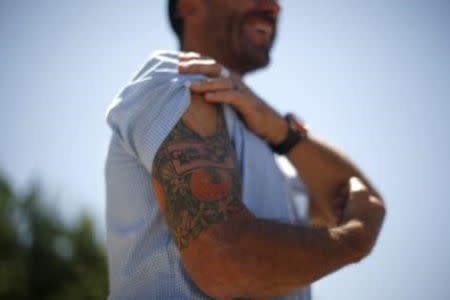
pixel 227 251
pixel 324 169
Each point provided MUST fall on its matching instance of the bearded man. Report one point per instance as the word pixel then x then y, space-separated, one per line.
pixel 196 205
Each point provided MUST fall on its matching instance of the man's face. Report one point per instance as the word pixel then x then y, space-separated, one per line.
pixel 242 32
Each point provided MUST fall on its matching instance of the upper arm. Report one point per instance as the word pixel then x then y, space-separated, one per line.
pixel 198 187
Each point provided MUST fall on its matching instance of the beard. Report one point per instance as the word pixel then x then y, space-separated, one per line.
pixel 251 46
pixel 237 43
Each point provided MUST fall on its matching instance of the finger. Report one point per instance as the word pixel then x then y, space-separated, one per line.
pixel 340 204
pixel 344 189
pixel 233 98
pixel 212 85
pixel 185 56
pixel 226 97
pixel 356 185
pixel 342 195
pixel 208 67
pixel 339 214
pixel 193 62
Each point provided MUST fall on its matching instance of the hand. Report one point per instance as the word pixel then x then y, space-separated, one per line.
pixel 363 217
pixel 259 117
pixel 328 210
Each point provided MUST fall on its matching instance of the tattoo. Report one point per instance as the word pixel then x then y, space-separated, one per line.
pixel 200 180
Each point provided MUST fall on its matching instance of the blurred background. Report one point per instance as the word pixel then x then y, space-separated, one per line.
pixel 372 77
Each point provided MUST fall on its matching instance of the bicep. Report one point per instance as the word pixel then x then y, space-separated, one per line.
pixel 196 180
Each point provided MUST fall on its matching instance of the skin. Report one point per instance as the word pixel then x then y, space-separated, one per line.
pixel 212 26
pixel 199 181
pixel 227 251
pixel 324 169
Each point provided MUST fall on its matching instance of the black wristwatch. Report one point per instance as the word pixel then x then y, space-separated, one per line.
pixel 297 132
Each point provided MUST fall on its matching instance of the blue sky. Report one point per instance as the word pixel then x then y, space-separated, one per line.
pixel 372 77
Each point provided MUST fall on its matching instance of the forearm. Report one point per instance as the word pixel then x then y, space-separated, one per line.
pixel 324 170
pixel 251 258
pixel 265 259
pixel 322 166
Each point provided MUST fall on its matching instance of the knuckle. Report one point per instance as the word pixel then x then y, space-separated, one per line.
pixel 365 247
pixel 377 205
pixel 380 211
pixel 358 242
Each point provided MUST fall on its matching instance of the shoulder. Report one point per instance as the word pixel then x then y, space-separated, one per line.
pixel 156 83
pixel 150 105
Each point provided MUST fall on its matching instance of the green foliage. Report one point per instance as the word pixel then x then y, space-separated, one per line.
pixel 41 257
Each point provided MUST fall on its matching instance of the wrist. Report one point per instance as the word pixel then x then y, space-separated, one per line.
pixel 278 131
pixel 296 133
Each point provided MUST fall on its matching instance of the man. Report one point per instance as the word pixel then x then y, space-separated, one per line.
pixel 196 206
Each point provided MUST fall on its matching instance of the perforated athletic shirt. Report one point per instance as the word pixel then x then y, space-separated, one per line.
pixel 143 260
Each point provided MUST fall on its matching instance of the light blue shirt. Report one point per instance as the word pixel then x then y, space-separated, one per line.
pixel 144 262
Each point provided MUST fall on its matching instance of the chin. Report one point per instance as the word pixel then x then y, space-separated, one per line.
pixel 257 61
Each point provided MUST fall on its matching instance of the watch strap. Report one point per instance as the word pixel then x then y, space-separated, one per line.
pixel 297 132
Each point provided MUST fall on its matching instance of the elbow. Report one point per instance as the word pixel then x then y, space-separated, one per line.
pixel 215 265
pixel 214 271
pixel 371 229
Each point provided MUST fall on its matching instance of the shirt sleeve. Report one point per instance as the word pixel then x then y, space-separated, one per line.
pixel 145 112
pixel 299 200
